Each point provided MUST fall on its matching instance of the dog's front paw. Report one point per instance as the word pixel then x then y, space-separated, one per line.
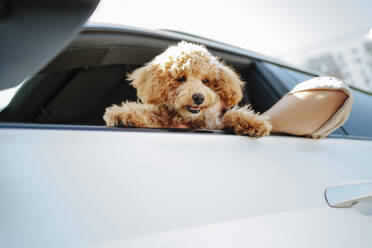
pixel 245 122
pixel 115 117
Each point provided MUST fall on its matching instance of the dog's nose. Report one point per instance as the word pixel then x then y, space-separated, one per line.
pixel 198 98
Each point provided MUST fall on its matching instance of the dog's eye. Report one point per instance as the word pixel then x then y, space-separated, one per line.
pixel 181 79
pixel 205 81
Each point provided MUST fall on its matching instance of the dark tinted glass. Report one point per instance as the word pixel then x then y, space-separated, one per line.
pixel 289 77
pixel 360 120
pixel 298 76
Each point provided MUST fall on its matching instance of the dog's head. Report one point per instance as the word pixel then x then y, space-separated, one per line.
pixel 188 79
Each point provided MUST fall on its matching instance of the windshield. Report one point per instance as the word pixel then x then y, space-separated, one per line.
pixel 311 34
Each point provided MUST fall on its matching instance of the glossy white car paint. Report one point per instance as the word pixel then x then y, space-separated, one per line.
pixel 69 188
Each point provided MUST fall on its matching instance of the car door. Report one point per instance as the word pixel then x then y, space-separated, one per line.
pixel 84 188
pixel 68 186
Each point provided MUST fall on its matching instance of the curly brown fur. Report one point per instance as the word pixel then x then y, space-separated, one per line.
pixel 245 122
pixel 185 87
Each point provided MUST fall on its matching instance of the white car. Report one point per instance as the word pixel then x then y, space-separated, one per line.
pixel 68 181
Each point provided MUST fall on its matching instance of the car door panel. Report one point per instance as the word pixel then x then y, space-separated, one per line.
pixel 144 189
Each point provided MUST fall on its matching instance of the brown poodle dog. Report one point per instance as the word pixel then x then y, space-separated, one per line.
pixel 187 87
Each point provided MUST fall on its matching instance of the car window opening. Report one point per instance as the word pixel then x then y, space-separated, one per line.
pixel 78 85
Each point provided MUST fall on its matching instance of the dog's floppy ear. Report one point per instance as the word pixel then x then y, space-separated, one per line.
pixel 147 80
pixel 230 86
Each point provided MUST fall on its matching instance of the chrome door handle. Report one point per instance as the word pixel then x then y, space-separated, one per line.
pixel 348 195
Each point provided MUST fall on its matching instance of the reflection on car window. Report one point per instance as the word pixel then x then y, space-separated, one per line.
pixel 7 95
pixel 299 76
pixel 288 77
pixel 360 119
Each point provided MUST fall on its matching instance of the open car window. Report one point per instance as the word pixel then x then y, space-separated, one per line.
pixel 90 75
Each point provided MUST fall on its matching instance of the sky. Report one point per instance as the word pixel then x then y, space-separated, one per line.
pixel 271 27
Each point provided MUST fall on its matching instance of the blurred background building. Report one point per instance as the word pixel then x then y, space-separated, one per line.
pixel 348 57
